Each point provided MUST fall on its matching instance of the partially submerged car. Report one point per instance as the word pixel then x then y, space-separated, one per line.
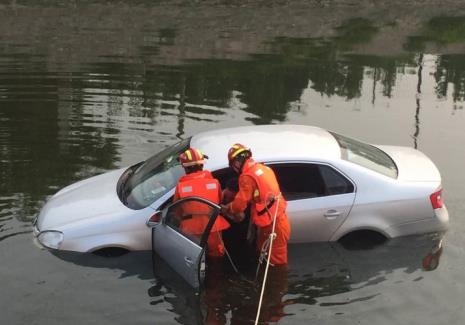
pixel 334 186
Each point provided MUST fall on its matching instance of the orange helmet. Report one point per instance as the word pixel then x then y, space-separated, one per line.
pixel 237 149
pixel 192 157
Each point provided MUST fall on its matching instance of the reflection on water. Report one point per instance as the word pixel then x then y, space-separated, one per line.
pixel 338 269
pixel 136 264
pixel 441 30
pixel 77 122
pixel 318 274
pixel 92 86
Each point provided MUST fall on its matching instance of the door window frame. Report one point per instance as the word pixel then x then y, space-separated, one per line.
pixel 318 163
pixel 164 200
pixel 212 218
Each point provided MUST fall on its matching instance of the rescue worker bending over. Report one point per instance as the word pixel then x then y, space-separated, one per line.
pixel 259 187
pixel 199 182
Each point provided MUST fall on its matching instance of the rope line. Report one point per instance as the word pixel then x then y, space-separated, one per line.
pixel 270 239
pixel 227 253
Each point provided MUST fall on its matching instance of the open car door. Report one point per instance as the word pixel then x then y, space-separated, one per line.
pixel 181 236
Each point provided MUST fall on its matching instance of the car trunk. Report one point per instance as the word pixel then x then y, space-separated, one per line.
pixel 412 165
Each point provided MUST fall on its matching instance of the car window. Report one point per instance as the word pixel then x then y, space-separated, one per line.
pixel 335 182
pixel 302 181
pixel 190 218
pixel 366 155
pixel 145 183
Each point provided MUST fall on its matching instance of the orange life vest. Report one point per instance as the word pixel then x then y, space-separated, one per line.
pixel 201 184
pixel 266 194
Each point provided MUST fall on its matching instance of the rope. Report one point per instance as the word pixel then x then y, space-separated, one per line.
pixel 270 239
pixel 227 253
pixel 264 253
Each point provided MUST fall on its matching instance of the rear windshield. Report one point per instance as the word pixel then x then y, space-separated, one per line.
pixel 144 183
pixel 366 155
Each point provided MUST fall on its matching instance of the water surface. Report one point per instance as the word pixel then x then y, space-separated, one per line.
pixel 90 87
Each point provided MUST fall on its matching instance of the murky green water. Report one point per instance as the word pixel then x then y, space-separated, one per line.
pixel 92 86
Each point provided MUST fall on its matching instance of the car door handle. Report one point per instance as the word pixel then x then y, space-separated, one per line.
pixel 188 261
pixel 332 214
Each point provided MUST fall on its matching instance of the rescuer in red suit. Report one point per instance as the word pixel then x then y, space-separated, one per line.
pixel 199 182
pixel 259 187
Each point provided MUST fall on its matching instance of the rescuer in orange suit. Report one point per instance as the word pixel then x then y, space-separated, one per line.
pixel 199 182
pixel 259 187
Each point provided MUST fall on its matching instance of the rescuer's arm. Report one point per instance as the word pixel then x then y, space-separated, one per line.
pixel 243 197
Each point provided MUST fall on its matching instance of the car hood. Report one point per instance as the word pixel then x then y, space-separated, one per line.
pixel 90 198
pixel 413 165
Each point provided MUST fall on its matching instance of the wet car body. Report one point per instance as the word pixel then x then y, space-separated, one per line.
pixel 330 194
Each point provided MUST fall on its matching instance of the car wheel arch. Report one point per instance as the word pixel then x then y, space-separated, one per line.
pixel 366 229
pixel 110 250
pixel 366 238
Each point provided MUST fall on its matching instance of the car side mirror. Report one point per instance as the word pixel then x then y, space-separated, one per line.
pixel 155 219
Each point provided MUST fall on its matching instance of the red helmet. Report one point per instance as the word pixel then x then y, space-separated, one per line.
pixel 192 157
pixel 237 149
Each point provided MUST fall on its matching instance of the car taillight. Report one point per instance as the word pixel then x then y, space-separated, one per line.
pixel 436 199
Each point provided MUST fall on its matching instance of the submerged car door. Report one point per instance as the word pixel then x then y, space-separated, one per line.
pixel 319 199
pixel 181 236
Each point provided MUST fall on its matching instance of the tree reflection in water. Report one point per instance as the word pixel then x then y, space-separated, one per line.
pixel 64 125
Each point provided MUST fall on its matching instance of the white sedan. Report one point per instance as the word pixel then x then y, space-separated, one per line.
pixel 335 186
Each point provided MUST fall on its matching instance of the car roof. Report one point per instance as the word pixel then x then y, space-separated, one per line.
pixel 268 143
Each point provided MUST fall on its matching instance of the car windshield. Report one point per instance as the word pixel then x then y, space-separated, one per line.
pixel 144 183
pixel 366 155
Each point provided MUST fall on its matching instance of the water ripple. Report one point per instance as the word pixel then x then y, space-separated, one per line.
pixel 2 238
